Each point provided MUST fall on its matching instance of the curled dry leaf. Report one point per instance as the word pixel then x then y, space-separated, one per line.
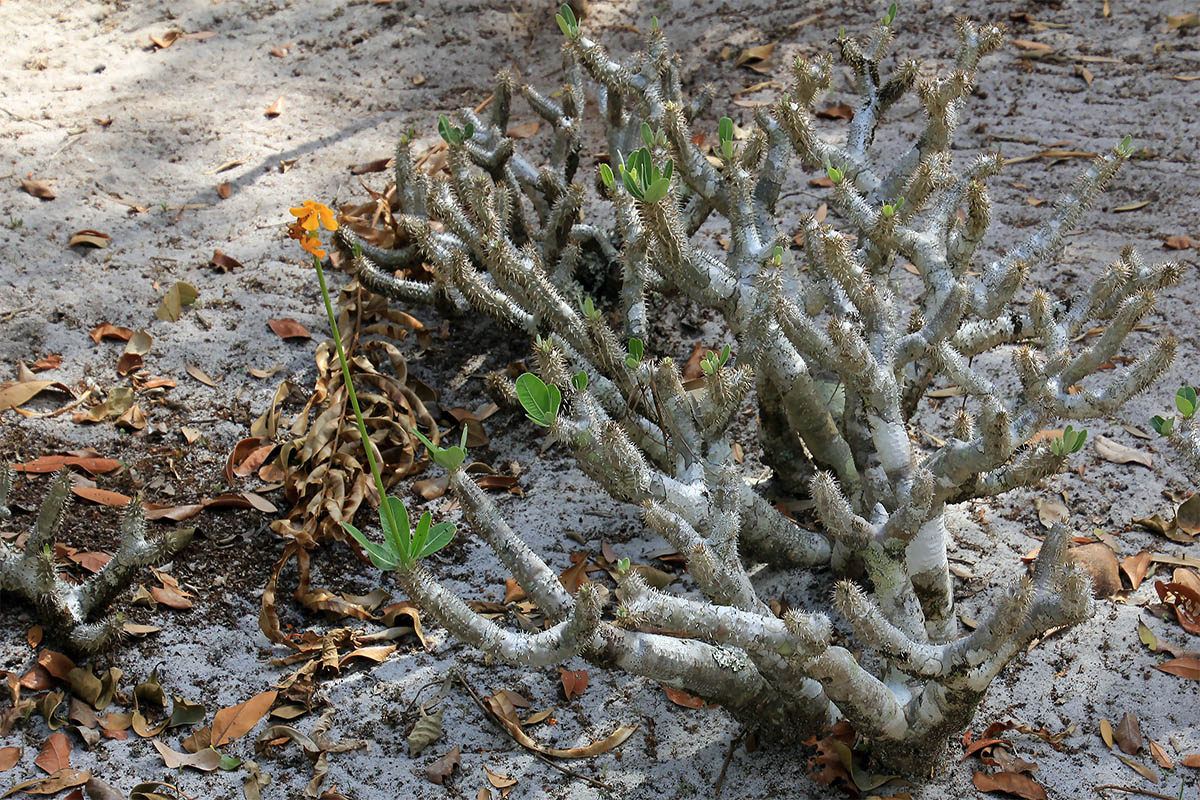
pixel 1106 733
pixel 1135 568
pixel 276 108
pixel 89 237
pixel 1178 243
pixel 501 782
pixel 573 682
pixel 52 361
pixel 503 711
pixel 9 756
pixel 106 330
pixel 222 262
pixel 1120 454
pixel 177 298
pixel 756 58
pixel 426 731
pixel 200 375
pixel 439 770
pixel 378 165
pixel 63 779
pixel 207 760
pixel 1101 563
pixel 1187 516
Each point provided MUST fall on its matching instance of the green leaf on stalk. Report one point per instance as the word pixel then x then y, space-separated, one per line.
pixel 541 402
pixel 1162 427
pixel 1185 401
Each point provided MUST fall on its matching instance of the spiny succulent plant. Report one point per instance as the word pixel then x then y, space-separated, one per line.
pixel 75 613
pixel 837 344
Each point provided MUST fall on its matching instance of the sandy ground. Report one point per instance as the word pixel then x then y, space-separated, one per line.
pixel 355 76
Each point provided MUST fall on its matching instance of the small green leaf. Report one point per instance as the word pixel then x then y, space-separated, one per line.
pixel 725 129
pixel 444 128
pixel 229 763
pixel 647 135
pixel 888 210
pixel 580 380
pixel 380 557
pixel 777 255
pixel 657 190
pixel 1185 401
pixel 606 175
pixel 636 348
pixel 1162 426
pixel 724 354
pixel 439 537
pixel 420 534
pixel 589 308
pixel 568 15
pixel 1126 145
pixel 835 174
pixel 890 16
pixel 541 402
pixel 623 565
pixel 399 540
pixel 654 23
pixel 468 132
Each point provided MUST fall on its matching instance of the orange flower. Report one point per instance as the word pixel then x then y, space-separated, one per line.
pixel 312 244
pixel 312 214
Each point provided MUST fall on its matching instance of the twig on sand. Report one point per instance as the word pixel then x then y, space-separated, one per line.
pixel 1133 790
pixel 724 766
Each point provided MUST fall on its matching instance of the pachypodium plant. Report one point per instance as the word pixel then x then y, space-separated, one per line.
pixel 835 339
pixel 76 613
pixel 1184 437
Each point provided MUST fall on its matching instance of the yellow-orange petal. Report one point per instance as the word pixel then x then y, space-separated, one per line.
pixel 310 222
pixel 327 219
pixel 299 211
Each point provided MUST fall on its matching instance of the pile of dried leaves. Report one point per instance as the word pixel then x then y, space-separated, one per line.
pixel 318 456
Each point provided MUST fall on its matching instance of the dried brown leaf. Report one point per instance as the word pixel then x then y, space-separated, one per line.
pixel 523 130
pixel 92 238
pixel 1120 454
pixel 1101 563
pixel 1128 734
pixel 1012 783
pixel 39 189
pixel 55 754
pixel 276 108
pixel 1135 568
pixel 223 263
pixel 573 682
pixel 236 721
pixel 9 756
pixel 207 760
pixel 288 328
pixel 439 770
